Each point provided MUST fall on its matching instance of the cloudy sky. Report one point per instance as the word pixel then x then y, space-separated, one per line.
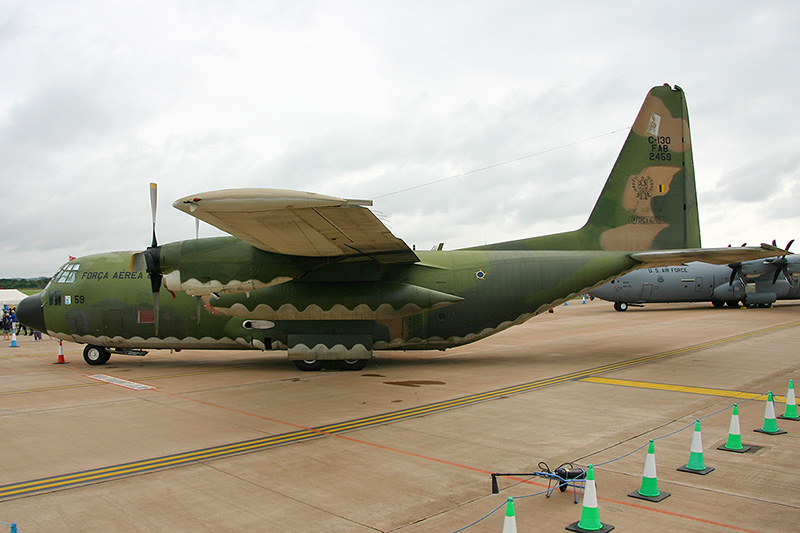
pixel 364 99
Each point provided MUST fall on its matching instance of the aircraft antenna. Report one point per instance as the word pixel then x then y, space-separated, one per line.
pixel 489 167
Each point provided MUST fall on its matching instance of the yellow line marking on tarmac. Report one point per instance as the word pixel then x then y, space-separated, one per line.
pixel 112 472
pixel 682 388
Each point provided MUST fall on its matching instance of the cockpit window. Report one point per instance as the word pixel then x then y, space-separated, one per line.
pixel 67 273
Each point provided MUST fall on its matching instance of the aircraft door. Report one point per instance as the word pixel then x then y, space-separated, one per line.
pixel 647 290
pixel 112 323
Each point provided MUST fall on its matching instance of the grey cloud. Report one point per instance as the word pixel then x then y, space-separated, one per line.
pixel 765 178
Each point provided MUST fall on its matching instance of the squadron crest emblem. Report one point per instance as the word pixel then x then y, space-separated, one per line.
pixel 643 185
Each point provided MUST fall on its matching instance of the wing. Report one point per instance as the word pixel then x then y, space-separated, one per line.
pixel 299 223
pixel 716 256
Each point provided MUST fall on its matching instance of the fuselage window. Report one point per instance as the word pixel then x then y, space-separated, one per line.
pixel 55 297
pixel 67 273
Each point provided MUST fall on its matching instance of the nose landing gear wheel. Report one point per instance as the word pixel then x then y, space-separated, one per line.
pixel 620 306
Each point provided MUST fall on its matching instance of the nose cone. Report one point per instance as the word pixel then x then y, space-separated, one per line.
pixel 605 292
pixel 31 313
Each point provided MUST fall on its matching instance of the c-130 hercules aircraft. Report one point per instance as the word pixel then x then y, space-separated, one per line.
pixel 753 283
pixel 324 279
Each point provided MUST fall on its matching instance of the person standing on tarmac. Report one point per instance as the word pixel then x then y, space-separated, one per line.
pixel 6 325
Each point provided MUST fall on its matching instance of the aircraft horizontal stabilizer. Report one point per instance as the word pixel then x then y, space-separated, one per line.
pixel 715 256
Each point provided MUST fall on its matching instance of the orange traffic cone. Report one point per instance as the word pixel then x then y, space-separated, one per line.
pixel 61 360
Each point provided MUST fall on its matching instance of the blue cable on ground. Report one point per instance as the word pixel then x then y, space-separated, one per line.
pixel 743 400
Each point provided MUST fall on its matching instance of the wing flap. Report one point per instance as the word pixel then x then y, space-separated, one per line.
pixel 716 256
pixel 298 223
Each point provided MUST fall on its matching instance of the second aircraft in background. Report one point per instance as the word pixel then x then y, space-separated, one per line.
pixel 756 283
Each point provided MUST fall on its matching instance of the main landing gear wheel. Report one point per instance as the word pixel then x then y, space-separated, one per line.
pixel 717 303
pixel 96 355
pixel 353 364
pixel 620 306
pixel 308 365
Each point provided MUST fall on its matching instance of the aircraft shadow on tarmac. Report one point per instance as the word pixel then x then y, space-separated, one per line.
pixel 424 361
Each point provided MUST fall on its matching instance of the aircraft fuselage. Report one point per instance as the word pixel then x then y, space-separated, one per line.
pixel 447 299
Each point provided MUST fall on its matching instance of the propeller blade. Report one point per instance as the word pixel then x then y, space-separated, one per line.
pixel 198 307
pixel 156 308
pixel 788 244
pixel 735 272
pixel 196 228
pixel 153 205
pixel 781 268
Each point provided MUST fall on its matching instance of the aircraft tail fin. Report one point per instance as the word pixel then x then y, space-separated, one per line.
pixel 649 201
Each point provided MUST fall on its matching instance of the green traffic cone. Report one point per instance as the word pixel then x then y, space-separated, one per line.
pixel 770 426
pixel 649 489
pixel 510 521
pixel 734 433
pixel 734 442
pixel 590 514
pixel 696 464
pixel 790 411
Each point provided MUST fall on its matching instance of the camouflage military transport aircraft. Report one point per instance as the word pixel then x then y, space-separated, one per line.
pixel 324 279
pixel 753 283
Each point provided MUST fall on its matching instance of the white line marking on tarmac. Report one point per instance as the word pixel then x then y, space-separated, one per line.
pixel 120 382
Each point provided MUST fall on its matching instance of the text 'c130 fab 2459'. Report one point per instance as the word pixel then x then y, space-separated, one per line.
pixel 322 278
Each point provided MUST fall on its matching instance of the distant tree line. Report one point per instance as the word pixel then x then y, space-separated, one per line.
pixel 23 283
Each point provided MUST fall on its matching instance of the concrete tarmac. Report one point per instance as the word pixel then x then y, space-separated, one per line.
pixel 243 441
